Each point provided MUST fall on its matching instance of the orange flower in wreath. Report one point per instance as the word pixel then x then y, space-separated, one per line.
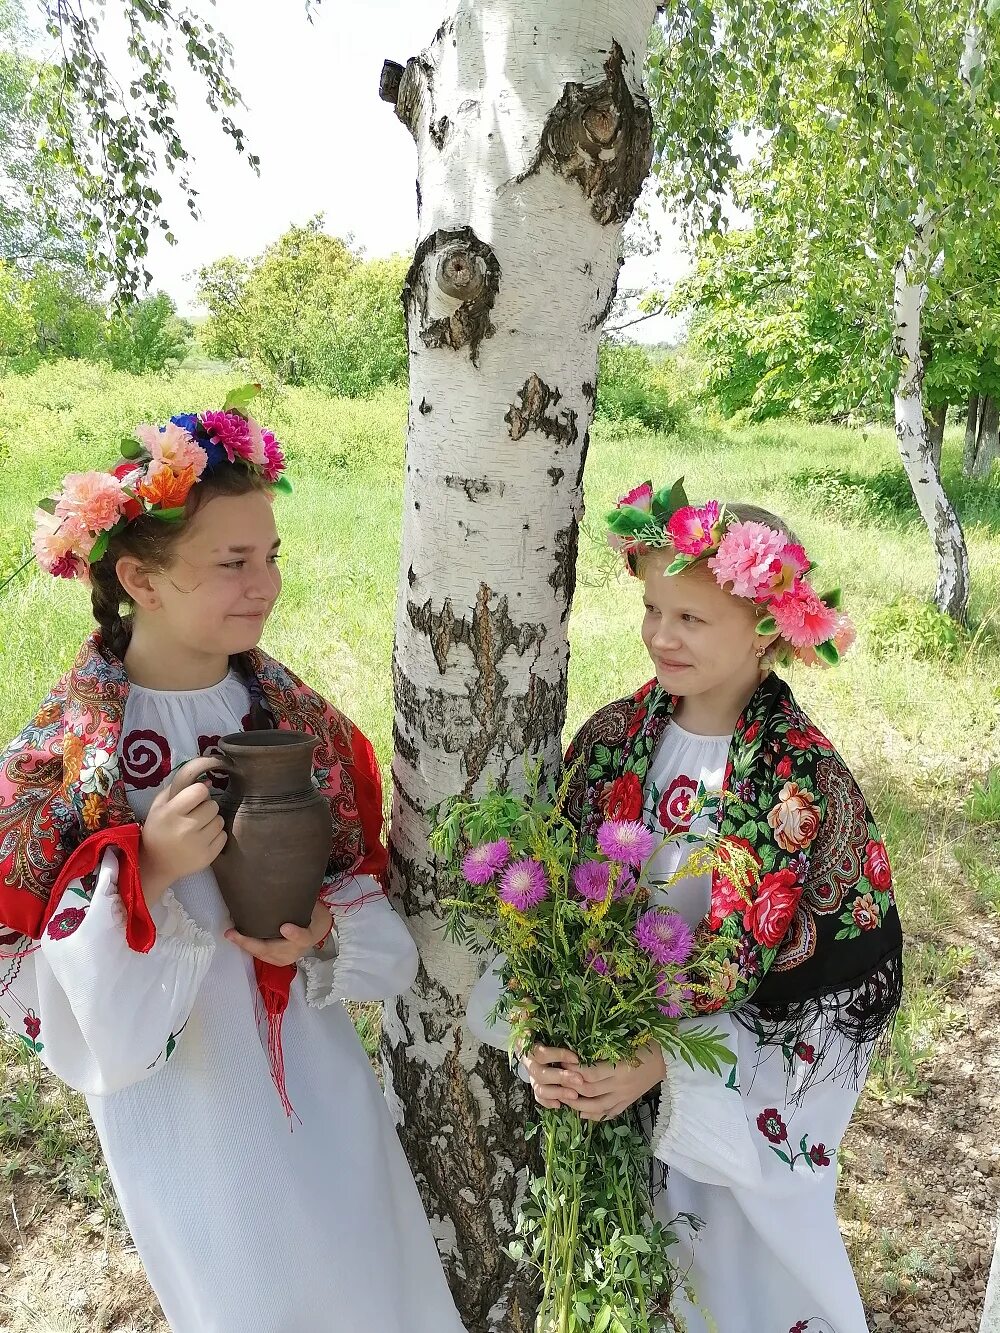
pixel 162 486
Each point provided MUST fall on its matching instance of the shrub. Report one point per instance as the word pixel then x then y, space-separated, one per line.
pixel 635 393
pixel 916 629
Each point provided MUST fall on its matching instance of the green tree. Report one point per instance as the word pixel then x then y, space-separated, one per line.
pixel 147 336
pixel 309 310
pixel 879 152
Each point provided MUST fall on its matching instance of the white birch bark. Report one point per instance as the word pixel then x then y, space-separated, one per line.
pixel 533 139
pixel 951 593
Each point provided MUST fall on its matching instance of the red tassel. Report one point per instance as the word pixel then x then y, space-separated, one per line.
pixel 273 985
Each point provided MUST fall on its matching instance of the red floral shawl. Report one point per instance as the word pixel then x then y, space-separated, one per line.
pixel 820 931
pixel 63 801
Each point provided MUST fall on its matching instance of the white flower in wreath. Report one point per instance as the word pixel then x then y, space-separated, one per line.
pixel 99 772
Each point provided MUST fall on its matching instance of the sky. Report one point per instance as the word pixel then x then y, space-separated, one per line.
pixel 327 143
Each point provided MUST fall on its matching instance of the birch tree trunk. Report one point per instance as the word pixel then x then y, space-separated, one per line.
pixel 988 440
pixel 533 139
pixel 971 434
pixel 951 593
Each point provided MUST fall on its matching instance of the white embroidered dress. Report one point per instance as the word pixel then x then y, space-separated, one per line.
pixel 243 1222
pixel 754 1161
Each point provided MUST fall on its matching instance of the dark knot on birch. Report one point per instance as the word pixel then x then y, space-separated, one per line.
pixel 601 136
pixel 452 266
pixel 461 274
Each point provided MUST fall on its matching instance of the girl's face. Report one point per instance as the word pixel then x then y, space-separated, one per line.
pixel 699 637
pixel 222 581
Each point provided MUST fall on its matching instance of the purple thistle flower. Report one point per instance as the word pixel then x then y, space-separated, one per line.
pixel 625 885
pixel 665 936
pixel 591 880
pixel 524 885
pixel 625 841
pixel 482 862
pixel 597 962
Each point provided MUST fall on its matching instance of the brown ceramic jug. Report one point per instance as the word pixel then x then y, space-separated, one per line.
pixel 279 831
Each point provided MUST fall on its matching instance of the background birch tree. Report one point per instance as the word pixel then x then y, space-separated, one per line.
pixel 533 139
pixel 878 141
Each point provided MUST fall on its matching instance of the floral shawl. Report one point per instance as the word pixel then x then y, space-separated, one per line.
pixel 819 930
pixel 63 801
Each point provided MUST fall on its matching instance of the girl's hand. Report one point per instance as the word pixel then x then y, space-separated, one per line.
pixel 554 1074
pixel 183 832
pixel 296 943
pixel 608 1090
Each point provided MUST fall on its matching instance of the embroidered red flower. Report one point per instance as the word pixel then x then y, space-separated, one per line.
pixel 801 1327
pixel 726 897
pixel 878 872
pixel 32 1025
pixel 624 799
pixel 65 923
pixel 145 759
pixel 674 811
pixel 783 768
pixel 810 739
pixel 805 1052
pixel 769 915
pixel 771 1125
pixel 208 747
pixel 635 726
pixel 865 913
pixel 818 1155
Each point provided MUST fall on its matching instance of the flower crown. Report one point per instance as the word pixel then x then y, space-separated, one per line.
pixel 162 464
pixel 754 560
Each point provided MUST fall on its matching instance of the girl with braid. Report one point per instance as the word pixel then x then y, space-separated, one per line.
pixel 200 1051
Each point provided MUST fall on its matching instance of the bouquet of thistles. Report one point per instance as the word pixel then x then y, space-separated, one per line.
pixel 593 966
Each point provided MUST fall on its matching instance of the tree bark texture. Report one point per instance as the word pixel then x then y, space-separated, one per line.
pixel 987 438
pixel 951 593
pixel 971 434
pixel 533 138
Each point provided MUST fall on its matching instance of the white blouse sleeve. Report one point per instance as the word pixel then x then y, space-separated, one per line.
pixel 748 1127
pixel 100 1015
pixel 483 1000
pixel 370 955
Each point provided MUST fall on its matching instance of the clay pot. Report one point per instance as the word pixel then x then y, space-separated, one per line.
pixel 272 866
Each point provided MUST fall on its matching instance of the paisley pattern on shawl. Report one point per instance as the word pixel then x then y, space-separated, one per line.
pixel 61 783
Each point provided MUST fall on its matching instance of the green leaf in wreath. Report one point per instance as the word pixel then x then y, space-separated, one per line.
pixel 667 501
pixel 99 547
pixel 47 506
pixel 130 448
pixel 239 399
pixel 767 626
pixel 828 652
pixel 283 485
pixel 832 599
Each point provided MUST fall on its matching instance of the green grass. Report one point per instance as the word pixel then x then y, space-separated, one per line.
pixel 915 715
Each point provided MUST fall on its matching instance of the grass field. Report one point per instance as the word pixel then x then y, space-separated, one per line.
pixel 915 708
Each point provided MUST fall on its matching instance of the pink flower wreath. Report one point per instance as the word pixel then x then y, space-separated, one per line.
pixel 749 559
